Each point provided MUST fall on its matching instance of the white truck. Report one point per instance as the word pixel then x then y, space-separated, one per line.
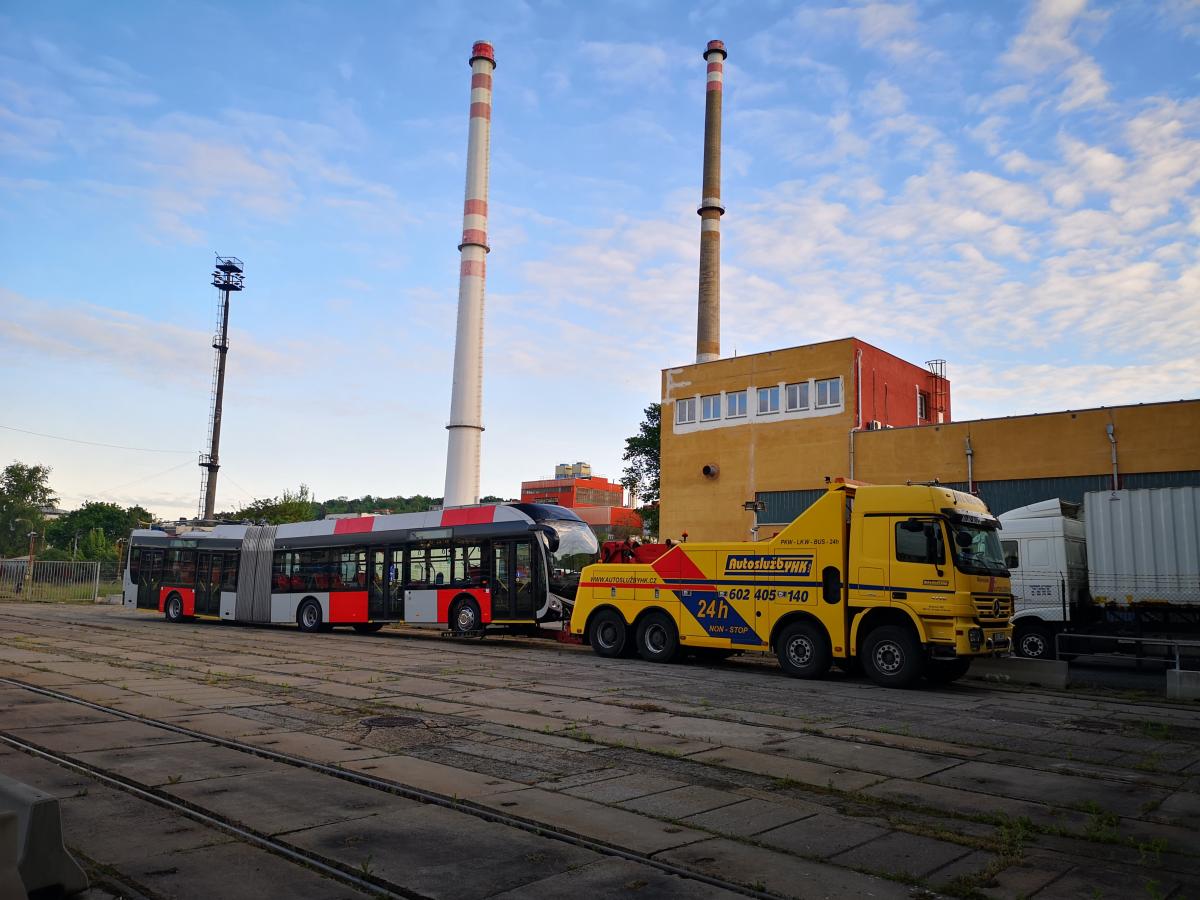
pixel 1128 568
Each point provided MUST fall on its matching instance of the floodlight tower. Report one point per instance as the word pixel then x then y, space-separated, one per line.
pixel 227 277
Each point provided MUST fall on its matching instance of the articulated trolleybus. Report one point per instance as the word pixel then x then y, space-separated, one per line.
pixel 464 569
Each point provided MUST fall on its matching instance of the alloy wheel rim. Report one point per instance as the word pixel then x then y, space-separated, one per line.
pixel 656 638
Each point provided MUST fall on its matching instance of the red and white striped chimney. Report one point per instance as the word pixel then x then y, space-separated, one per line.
pixel 708 318
pixel 466 398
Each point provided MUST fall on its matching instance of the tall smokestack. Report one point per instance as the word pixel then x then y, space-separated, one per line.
pixel 466 398
pixel 708 319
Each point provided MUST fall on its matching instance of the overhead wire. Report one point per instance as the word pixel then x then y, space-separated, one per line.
pixel 59 437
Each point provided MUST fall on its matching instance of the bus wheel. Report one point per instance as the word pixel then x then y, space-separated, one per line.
pixel 892 656
pixel 174 608
pixel 308 617
pixel 608 634
pixel 1033 641
pixel 368 627
pixel 464 617
pixel 944 671
pixel 803 651
pixel 657 639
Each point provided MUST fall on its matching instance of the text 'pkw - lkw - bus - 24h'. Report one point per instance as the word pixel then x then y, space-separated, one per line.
pixel 465 569
pixel 904 580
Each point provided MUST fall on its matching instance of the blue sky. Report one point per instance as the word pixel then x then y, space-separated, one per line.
pixel 1011 187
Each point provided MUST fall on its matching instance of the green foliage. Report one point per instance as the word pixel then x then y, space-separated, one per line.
pixel 110 522
pixel 642 457
pixel 24 490
pixel 291 506
pixel 370 504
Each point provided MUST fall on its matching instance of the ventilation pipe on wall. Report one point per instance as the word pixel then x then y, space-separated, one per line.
pixel 970 466
pixel 1112 439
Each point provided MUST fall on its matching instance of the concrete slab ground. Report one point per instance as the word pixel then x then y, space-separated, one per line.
pixel 826 788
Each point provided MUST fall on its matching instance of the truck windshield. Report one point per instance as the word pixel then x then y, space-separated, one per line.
pixel 976 549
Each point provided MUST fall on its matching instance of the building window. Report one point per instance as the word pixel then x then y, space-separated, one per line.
pixel 710 407
pixel 768 400
pixel 735 404
pixel 797 396
pixel 685 411
pixel 829 392
pixel 922 406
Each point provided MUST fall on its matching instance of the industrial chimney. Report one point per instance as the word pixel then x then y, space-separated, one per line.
pixel 708 319
pixel 466 398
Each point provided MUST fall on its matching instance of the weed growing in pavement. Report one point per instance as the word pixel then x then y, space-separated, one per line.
pixel 364 867
pixel 174 779
pixel 1155 731
pixel 1102 827
pixel 1151 762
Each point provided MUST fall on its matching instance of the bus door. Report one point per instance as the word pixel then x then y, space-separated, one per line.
pixel 514 581
pixel 524 599
pixel 385 591
pixel 208 583
pixel 150 575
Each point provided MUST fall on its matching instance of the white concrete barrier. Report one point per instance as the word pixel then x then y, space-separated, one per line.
pixel 1183 685
pixel 1018 670
pixel 42 859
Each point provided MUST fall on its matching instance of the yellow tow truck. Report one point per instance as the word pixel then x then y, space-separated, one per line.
pixel 903 581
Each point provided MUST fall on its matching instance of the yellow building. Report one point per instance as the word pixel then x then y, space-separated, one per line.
pixel 769 428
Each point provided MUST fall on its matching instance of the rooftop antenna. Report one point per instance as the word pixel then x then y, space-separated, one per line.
pixel 226 278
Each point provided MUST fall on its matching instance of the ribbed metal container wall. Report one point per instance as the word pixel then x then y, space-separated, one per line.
pixel 1144 545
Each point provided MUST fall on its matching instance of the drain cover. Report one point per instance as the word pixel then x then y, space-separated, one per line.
pixel 392 721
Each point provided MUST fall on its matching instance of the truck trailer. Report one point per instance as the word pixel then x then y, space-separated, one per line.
pixel 904 581
pixel 1124 567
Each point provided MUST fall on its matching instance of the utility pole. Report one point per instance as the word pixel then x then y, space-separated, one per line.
pixel 29 566
pixel 227 278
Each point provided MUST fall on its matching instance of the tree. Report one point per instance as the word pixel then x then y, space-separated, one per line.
pixel 641 473
pixel 290 506
pixel 24 491
pixel 112 521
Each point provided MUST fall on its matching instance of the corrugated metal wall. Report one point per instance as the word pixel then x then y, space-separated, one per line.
pixel 1000 496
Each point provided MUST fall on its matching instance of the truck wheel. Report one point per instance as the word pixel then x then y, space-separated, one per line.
pixel 892 657
pixel 608 634
pixel 803 651
pixel 944 671
pixel 1034 641
pixel 657 638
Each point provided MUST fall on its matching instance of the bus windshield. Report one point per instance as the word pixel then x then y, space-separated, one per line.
pixel 570 545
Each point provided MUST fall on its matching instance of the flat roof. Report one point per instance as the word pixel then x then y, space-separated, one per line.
pixel 1055 412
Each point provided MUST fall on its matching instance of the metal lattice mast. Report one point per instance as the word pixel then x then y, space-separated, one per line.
pixel 227 278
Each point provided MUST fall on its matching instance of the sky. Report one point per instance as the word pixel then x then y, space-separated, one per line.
pixel 1011 187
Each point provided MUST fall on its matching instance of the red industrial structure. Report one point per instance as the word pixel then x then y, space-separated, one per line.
pixel 596 500
pixel 893 393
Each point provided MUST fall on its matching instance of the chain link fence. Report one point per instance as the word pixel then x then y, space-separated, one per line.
pixel 54 581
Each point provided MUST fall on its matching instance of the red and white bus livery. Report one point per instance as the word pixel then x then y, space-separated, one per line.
pixel 464 569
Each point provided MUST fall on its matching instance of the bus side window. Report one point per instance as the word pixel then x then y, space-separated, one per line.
pixel 468 565
pixel 439 563
pixel 229 576
pixel 135 564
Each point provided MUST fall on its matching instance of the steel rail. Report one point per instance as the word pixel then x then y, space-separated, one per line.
pixel 420 795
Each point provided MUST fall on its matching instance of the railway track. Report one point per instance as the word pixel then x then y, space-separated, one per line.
pixel 329 867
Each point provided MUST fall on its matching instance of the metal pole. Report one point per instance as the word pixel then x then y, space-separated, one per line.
pixel 96 584
pixel 210 493
pixel 29 568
